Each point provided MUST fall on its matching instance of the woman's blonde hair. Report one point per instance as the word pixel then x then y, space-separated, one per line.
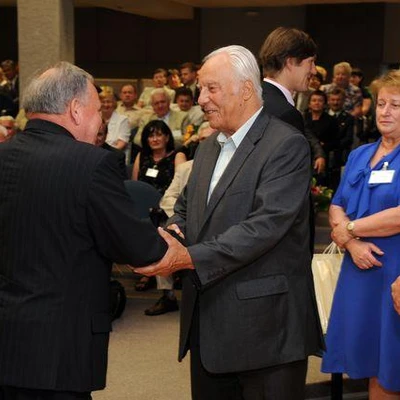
pixel 389 79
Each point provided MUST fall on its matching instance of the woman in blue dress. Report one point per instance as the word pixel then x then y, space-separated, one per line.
pixel 363 338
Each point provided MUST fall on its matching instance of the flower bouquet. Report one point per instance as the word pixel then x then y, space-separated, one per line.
pixel 321 195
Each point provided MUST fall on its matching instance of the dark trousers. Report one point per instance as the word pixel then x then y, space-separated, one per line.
pixel 13 393
pixel 280 382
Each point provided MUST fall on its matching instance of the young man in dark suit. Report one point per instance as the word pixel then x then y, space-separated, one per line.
pixel 65 217
pixel 288 60
pixel 248 313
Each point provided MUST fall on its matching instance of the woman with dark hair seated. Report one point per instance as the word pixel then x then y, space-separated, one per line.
pixel 155 164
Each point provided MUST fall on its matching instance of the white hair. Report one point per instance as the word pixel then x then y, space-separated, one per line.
pixel 344 65
pixel 244 65
pixel 160 91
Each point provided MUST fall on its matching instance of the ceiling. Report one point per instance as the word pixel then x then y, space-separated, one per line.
pixel 183 9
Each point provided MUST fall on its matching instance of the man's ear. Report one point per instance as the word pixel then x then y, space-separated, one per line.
pixel 290 63
pixel 248 90
pixel 75 110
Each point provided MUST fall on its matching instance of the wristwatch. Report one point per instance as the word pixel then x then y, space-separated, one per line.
pixel 350 227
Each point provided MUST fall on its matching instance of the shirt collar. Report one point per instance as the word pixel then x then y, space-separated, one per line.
pixel 285 91
pixel 239 135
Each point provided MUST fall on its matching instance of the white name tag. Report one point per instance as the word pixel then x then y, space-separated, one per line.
pixel 381 176
pixel 152 172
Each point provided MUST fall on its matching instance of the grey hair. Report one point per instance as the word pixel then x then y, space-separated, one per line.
pixel 342 65
pixel 160 91
pixel 51 91
pixel 244 65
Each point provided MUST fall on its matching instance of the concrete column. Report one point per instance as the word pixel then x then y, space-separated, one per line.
pixel 45 35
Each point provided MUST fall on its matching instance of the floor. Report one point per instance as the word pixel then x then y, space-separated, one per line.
pixel 143 356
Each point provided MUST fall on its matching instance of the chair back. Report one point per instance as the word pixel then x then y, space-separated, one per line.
pixel 143 195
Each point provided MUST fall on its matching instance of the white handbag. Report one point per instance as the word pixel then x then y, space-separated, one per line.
pixel 326 268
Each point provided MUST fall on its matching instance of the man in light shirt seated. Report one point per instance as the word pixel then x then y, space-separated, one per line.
pixel 127 105
pixel 184 102
pixel 119 131
pixel 159 82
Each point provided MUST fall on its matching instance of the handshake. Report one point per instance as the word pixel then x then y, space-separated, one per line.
pixel 176 258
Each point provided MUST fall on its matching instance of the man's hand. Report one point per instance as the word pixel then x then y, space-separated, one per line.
pixel 396 294
pixel 319 165
pixel 176 258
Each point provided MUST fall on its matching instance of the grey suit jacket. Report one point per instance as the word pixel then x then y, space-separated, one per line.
pixel 249 245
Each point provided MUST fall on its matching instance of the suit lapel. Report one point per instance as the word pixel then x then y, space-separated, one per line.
pixel 206 170
pixel 235 164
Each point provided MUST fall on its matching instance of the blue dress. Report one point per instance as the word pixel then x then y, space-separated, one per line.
pixel 363 338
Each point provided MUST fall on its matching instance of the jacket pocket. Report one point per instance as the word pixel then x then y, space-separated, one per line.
pixel 260 287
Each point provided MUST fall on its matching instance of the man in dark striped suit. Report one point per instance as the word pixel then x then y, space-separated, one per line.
pixel 64 217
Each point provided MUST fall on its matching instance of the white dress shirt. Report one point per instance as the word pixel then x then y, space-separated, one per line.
pixel 228 148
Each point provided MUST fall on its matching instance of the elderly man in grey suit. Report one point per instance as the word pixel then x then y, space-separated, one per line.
pixel 249 316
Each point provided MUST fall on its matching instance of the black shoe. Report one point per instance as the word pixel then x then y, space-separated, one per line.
pixel 163 305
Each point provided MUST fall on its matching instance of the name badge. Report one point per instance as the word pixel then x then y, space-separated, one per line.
pixel 384 176
pixel 152 172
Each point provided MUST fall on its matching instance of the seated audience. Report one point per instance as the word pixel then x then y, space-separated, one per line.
pixel 189 78
pixel 11 88
pixel 341 79
pixel 160 102
pixel 357 79
pixel 7 106
pixel 173 79
pixel 345 121
pixel 126 105
pixel 322 71
pixel 119 131
pixel 364 124
pixel 168 301
pixel 155 164
pixel 101 142
pixel 7 123
pixel 325 128
pixel 303 98
pixel 159 82
pixel 185 103
pixel 3 79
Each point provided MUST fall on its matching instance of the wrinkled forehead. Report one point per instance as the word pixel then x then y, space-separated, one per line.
pixel 159 97
pixel 389 91
pixel 217 68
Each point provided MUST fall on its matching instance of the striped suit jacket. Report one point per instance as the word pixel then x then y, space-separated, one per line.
pixel 64 217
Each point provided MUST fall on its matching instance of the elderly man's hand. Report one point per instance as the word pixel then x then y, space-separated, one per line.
pixel 176 258
pixel 396 294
